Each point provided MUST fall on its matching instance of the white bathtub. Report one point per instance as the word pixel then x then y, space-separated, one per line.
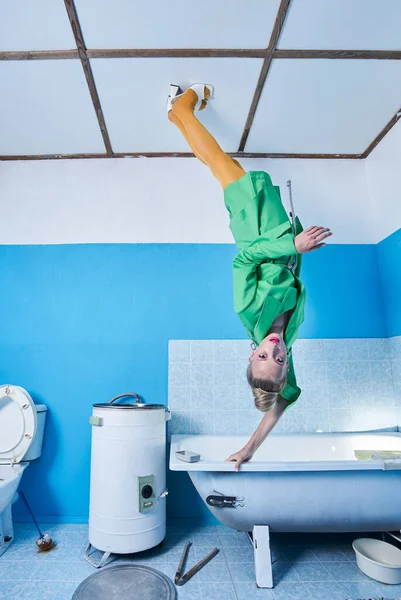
pixel 299 482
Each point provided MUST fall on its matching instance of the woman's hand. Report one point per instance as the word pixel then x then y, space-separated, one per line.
pixel 239 457
pixel 311 239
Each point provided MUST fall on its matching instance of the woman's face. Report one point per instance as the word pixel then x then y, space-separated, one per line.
pixel 269 359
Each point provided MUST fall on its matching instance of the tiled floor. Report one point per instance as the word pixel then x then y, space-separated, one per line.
pixel 305 566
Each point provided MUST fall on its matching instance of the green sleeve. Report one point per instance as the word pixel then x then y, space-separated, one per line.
pixel 265 248
pixel 291 392
pixel 245 263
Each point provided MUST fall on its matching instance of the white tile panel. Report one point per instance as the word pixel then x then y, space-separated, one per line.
pixel 133 94
pixel 343 24
pixel 325 106
pixel 45 107
pixel 177 23
pixel 35 25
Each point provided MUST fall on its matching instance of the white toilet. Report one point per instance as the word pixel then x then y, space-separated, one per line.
pixel 22 424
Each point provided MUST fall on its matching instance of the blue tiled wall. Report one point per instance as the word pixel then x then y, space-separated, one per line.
pixel 347 385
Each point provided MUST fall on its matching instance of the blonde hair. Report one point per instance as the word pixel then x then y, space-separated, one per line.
pixel 265 391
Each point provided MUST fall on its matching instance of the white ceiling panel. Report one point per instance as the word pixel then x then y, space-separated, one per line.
pixel 177 23
pixel 34 25
pixel 45 107
pixel 325 106
pixel 343 24
pixel 133 94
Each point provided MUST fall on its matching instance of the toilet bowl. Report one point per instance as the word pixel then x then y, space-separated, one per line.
pixel 22 426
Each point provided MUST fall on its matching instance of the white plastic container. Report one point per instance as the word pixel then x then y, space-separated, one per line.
pixel 128 476
pixel 379 560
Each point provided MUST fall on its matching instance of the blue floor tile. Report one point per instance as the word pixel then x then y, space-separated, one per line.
pixel 278 554
pixel 10 589
pixel 328 553
pixel 12 552
pixel 249 591
pixel 313 572
pixel 210 529
pixel 215 572
pixel 218 591
pixel 65 553
pixel 40 590
pixel 303 568
pixel 345 571
pixel 189 593
pixel 74 571
pixel 292 591
pixel 55 571
pixel 284 571
pixel 299 554
pixel 66 590
pixel 389 592
pixel 4 568
pixel 242 572
pixel 237 539
pixel 224 530
pixel 348 552
pixel 235 554
pixel 199 552
pixel 174 539
pixel 360 589
pixel 206 539
pixel 326 591
pixel 20 571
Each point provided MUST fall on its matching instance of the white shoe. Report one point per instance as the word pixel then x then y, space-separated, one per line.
pixel 198 88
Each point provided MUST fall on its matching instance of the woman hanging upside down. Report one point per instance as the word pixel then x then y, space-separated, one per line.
pixel 268 294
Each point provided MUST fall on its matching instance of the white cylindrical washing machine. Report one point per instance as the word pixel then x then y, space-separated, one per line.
pixel 128 477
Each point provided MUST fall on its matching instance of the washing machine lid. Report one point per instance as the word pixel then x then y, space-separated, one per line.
pixel 131 406
pixel 18 423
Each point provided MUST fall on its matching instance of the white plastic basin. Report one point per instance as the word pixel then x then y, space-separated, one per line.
pixel 379 560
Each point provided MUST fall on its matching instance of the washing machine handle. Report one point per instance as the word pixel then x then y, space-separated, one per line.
pixel 138 400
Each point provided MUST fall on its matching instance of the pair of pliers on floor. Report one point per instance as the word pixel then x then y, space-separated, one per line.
pixel 180 579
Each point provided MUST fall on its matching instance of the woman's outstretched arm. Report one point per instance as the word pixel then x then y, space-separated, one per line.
pixel 266 425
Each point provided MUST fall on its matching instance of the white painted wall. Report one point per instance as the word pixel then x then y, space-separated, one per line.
pixel 166 200
pixel 383 172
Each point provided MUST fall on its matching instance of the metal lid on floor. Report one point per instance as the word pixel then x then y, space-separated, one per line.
pixel 130 582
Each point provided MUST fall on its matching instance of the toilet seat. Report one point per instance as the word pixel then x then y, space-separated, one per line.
pixel 18 423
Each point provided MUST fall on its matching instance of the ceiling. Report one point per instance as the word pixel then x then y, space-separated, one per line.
pixel 292 77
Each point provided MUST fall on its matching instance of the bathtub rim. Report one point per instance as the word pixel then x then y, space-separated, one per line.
pixel 283 466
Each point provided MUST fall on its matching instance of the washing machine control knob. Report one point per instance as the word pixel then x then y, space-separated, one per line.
pixel 147 491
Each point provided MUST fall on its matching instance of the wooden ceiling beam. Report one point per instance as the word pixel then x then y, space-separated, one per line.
pixel 339 54
pixel 381 135
pixel 39 55
pixel 200 53
pixel 274 38
pixel 79 40
pixel 177 53
pixel 174 155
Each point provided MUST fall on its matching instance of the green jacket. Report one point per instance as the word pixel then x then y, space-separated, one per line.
pixel 264 286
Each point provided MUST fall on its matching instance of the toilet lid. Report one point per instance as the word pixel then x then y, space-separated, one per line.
pixel 18 423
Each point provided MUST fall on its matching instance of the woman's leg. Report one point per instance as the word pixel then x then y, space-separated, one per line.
pixel 174 119
pixel 203 144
